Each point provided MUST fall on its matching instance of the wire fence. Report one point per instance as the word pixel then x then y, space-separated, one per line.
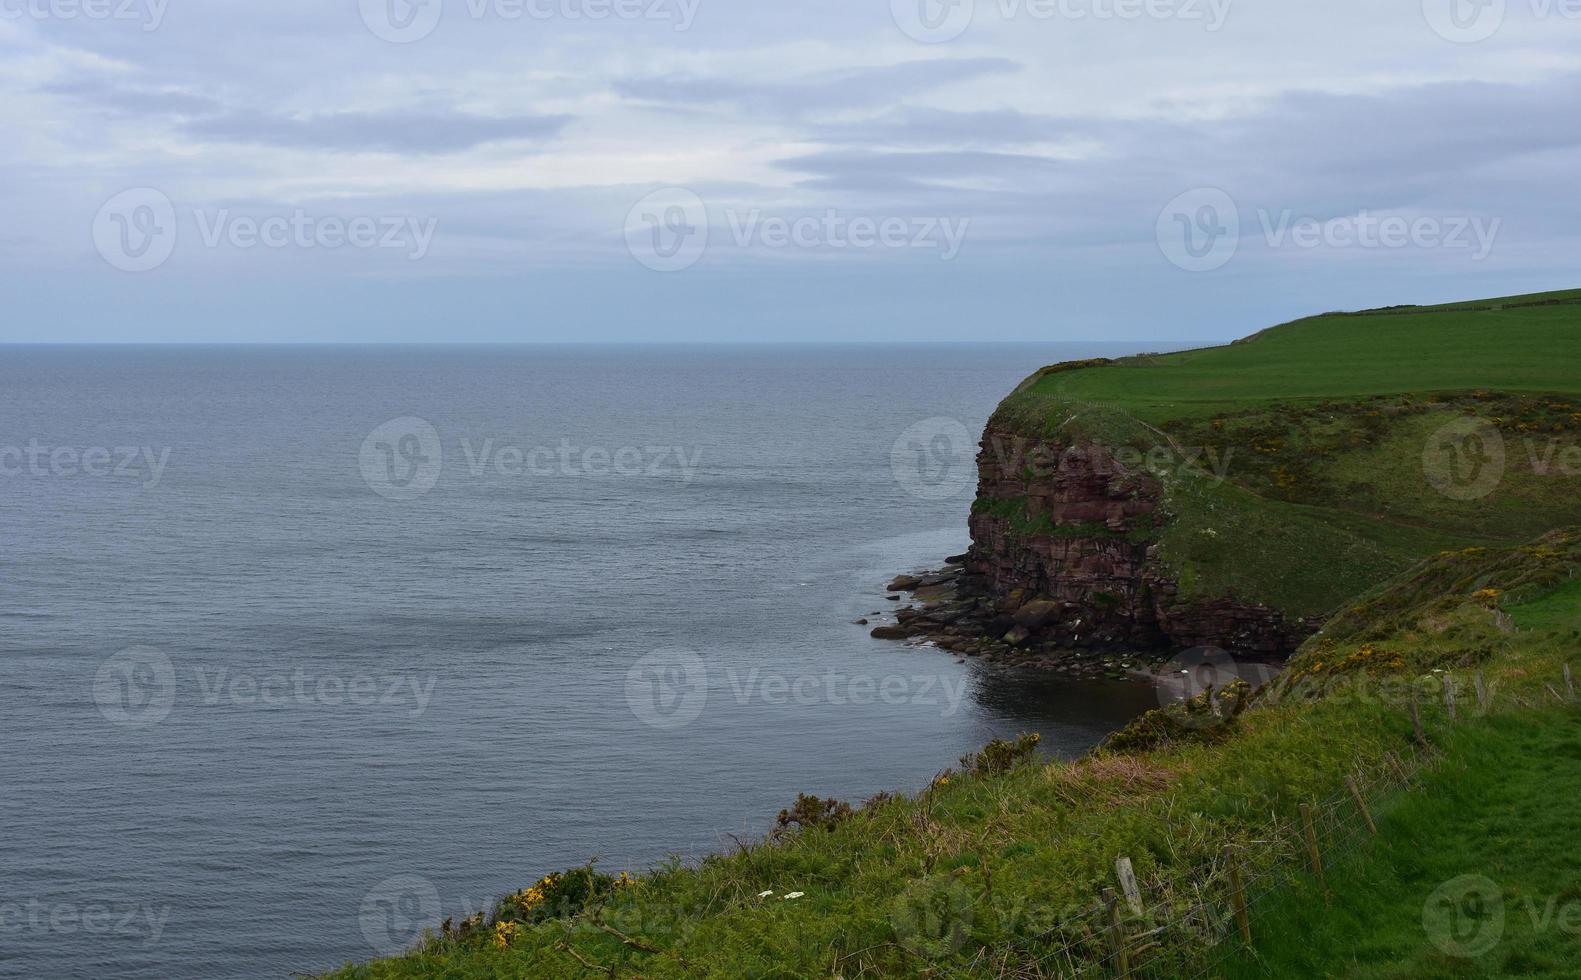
pixel 1183 936
pixel 1190 925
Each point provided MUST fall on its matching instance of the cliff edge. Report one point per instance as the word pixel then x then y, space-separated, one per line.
pixel 1239 496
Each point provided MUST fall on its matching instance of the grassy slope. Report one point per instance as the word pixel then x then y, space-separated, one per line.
pixel 1559 610
pixel 1502 809
pixel 968 877
pixel 1323 423
pixel 1501 805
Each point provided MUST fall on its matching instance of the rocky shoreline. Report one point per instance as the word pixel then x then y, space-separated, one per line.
pixel 956 611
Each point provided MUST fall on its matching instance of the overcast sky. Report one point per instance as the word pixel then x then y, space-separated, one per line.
pixel 750 170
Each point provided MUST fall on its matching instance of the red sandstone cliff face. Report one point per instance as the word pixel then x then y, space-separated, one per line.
pixel 1063 539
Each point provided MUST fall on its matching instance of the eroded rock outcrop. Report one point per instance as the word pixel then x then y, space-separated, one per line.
pixel 1065 556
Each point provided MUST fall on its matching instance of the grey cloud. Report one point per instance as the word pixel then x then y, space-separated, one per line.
pixel 851 89
pixel 391 132
pixel 134 100
pixel 1442 127
pixel 1462 149
pixel 939 127
pixel 854 169
pixel 1323 153
pixel 421 131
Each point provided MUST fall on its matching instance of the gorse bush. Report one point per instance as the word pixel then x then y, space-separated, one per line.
pixel 1000 755
pixel 809 812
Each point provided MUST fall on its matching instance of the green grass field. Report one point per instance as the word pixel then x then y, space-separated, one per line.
pixel 1514 347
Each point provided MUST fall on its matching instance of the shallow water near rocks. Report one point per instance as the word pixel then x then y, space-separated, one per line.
pixel 266 713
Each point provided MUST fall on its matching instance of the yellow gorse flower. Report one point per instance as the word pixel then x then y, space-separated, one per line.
pixel 504 933
pixel 530 898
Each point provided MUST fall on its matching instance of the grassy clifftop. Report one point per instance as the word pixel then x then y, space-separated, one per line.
pixel 1313 460
pixel 1522 344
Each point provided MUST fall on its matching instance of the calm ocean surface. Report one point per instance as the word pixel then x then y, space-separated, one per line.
pixel 303 649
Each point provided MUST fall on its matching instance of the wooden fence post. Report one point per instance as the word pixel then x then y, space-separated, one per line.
pixel 1238 894
pixel 1570 684
pixel 1122 957
pixel 1361 803
pixel 1449 696
pixel 1124 870
pixel 1397 767
pixel 1309 831
pixel 1482 691
pixel 1416 721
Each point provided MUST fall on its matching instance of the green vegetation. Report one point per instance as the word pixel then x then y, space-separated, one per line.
pixel 1501 345
pixel 1314 460
pixel 1559 610
pixel 1483 854
pixel 981 873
